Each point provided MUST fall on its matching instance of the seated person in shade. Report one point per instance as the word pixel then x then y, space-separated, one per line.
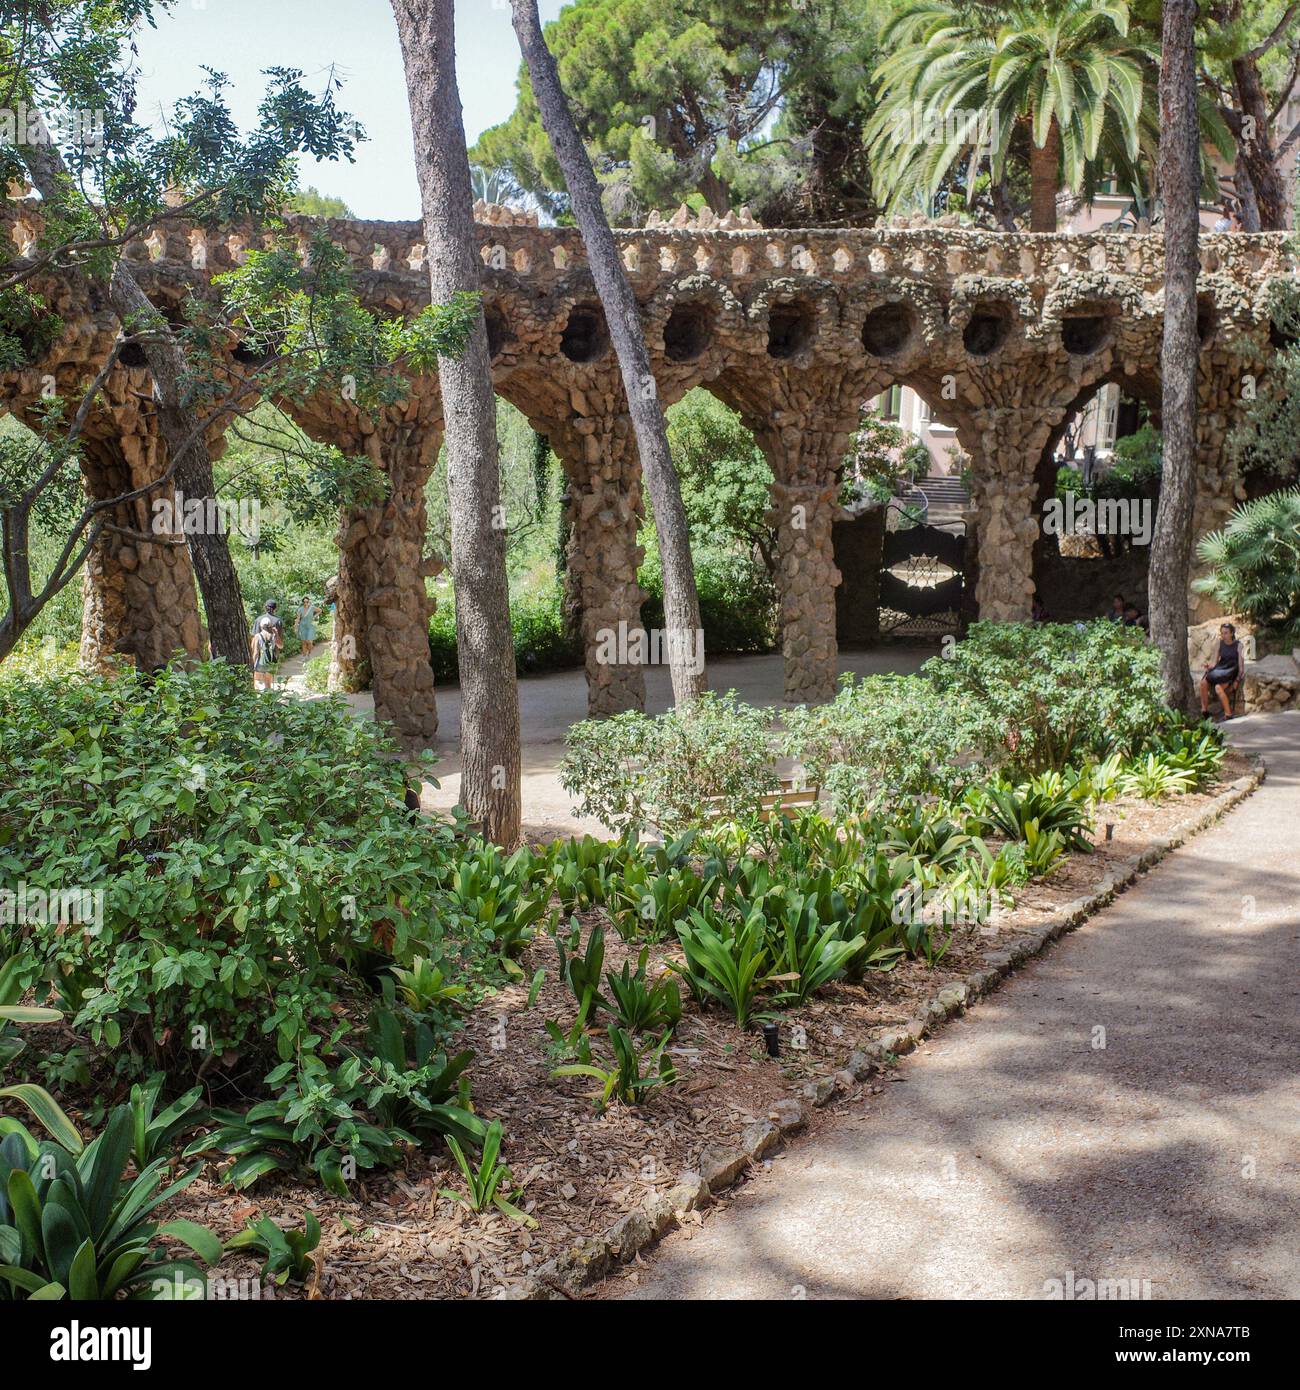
pixel 1225 673
pixel 1133 617
pixel 1116 614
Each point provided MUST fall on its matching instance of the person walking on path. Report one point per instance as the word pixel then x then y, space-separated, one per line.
pixel 266 644
pixel 305 626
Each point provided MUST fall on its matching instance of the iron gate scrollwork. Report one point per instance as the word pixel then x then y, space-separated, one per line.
pixel 920 576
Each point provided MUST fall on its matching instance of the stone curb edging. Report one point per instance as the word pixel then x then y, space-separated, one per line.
pixel 590 1260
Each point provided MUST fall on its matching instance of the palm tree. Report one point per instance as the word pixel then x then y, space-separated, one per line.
pixel 963 81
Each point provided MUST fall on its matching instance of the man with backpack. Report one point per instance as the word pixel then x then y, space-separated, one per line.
pixel 266 644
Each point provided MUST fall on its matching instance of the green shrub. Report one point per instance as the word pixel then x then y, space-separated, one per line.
pixel 677 771
pixel 543 641
pixel 248 854
pixel 738 604
pixel 1044 695
pixel 880 740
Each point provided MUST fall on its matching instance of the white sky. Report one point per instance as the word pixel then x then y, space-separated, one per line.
pixel 359 37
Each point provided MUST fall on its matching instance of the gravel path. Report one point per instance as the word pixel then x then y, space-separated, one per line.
pixel 1016 1149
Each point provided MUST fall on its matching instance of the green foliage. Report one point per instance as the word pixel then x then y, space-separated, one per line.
pixel 582 972
pixel 726 480
pixel 726 963
pixel 881 739
pixel 79 1226
pixel 634 1072
pixel 1155 776
pixel 1256 563
pixel 223 930
pixel 154 1132
pixel 653 91
pixel 320 1118
pixel 288 1252
pixel 423 987
pixel 543 638
pixel 494 897
pixel 1009 811
pixel 639 1005
pixel 677 770
pixel 1022 67
pixel 310 202
pixel 1044 695
pixel 737 599
pixel 490 1182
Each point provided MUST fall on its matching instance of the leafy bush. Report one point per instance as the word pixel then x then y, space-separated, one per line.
pixel 249 854
pixel 1044 695
pixel 680 770
pixel 738 605
pixel 542 637
pixel 880 740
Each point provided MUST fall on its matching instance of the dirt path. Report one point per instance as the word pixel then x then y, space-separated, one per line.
pixel 1016 1149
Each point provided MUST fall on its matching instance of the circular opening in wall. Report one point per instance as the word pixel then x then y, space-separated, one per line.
pixel 585 337
pixel 1084 334
pixel 789 328
pixel 132 355
pixel 250 357
pixel 687 332
pixel 1281 337
pixel 886 330
pixel 986 330
pixel 498 330
pixel 1207 320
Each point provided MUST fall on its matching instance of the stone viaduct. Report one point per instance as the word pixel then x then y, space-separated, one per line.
pixel 1005 336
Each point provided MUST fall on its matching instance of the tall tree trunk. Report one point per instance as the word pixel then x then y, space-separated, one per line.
pixel 1255 146
pixel 1044 180
pixel 1180 181
pixel 681 602
pixel 180 426
pixel 1247 203
pixel 489 717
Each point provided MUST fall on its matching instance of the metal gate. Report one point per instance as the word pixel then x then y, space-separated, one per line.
pixel 921 581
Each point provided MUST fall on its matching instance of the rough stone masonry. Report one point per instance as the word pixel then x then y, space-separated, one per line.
pixel 1005 336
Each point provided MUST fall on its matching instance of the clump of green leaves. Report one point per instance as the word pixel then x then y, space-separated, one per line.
pixel 288 1252
pixel 489 1182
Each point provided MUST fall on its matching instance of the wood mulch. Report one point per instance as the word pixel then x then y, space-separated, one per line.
pixel 580 1170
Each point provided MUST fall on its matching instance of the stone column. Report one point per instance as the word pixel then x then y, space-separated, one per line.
pixel 138 598
pixel 382 619
pixel 1219 486
pixel 602 593
pixel 1008 445
pixel 805 453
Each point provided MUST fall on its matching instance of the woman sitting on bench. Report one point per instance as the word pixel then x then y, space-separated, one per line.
pixel 1225 674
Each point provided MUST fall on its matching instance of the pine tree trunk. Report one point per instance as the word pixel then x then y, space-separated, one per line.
pixel 681 603
pixel 489 717
pixel 1180 179
pixel 1256 150
pixel 1044 175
